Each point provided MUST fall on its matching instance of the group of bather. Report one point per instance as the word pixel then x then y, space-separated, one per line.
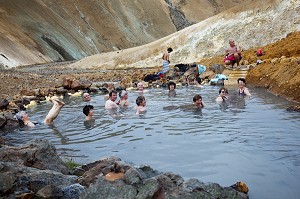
pixel 232 56
pixel 113 104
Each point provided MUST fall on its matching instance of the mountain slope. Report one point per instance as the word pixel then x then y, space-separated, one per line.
pixel 252 24
pixel 40 31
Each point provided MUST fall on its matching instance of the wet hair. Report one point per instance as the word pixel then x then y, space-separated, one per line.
pixel 169 49
pixel 86 109
pixel 139 100
pixel 171 83
pixel 223 88
pixel 111 92
pixel 198 79
pixel 241 79
pixel 196 97
pixel 122 93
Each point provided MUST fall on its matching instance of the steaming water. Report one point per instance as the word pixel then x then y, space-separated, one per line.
pixel 253 140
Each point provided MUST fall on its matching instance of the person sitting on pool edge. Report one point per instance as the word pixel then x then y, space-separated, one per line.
pixel 233 54
pixel 88 110
pixel 141 105
pixel 23 117
pixel 223 95
pixel 243 90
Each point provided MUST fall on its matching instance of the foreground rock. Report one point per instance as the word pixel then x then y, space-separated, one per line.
pixel 35 171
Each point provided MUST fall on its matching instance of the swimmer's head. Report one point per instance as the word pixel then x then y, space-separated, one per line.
pixel 197 97
pixel 20 115
pixel 140 86
pixel 86 96
pixel 170 84
pixel 139 100
pixel 87 108
pixel 122 93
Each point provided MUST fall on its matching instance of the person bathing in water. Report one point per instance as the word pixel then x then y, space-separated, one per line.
pixel 24 119
pixel 243 90
pixel 197 99
pixel 140 88
pixel 123 102
pixel 171 87
pixel 223 95
pixel 88 110
pixel 141 105
pixel 110 103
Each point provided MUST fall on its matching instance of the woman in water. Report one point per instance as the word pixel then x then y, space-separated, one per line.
pixel 243 90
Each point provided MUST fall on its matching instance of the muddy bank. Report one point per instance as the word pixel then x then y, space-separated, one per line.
pixel 280 70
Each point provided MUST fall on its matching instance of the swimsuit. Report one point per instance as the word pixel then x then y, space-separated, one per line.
pixel 166 66
pixel 242 93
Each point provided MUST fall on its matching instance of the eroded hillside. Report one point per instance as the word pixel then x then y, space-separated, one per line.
pixel 253 24
pixel 54 30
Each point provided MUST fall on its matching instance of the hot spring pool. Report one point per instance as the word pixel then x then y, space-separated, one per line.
pixel 253 140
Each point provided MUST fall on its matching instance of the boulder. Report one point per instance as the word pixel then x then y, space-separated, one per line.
pixel 67 81
pixel 49 191
pixel 81 84
pixel 3 120
pixel 38 154
pixel 4 104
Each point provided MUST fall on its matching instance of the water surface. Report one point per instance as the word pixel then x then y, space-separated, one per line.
pixel 254 140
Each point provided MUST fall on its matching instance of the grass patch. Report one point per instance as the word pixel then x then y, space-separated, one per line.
pixel 71 164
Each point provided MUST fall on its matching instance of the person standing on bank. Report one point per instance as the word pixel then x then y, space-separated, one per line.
pixel 166 60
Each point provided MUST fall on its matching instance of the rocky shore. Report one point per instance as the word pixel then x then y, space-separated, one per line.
pixel 35 170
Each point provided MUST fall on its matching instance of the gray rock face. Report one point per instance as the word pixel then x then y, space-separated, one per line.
pixel 35 171
pixel 38 154
pixel 74 191
pixel 16 179
pixel 144 182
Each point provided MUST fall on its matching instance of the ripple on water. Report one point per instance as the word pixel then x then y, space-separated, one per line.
pixel 255 140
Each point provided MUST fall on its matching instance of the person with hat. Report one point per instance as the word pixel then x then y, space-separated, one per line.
pixel 123 102
pixel 23 117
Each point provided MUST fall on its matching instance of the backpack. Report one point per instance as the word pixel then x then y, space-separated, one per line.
pixel 259 52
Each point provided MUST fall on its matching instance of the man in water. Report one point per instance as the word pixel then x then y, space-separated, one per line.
pixel 23 117
pixel 166 60
pixel 110 104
